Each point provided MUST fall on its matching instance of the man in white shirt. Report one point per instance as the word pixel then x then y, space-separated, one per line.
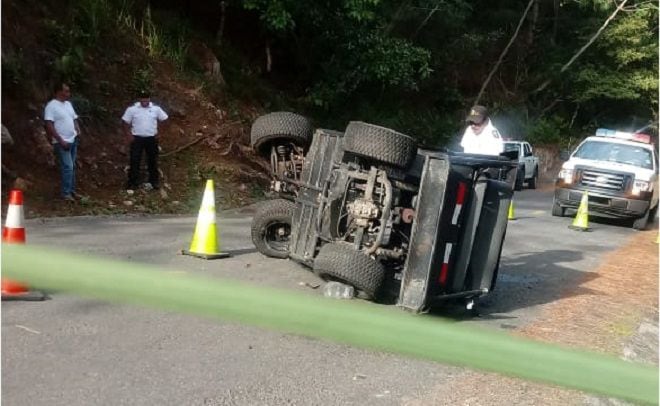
pixel 140 124
pixel 63 129
pixel 481 136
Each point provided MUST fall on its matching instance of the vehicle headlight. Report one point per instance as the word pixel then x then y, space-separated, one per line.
pixel 566 175
pixel 641 186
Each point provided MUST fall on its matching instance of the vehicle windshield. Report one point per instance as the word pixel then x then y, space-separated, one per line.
pixel 511 146
pixel 613 152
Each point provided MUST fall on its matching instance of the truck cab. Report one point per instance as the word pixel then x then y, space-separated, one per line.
pixel 619 170
pixel 528 164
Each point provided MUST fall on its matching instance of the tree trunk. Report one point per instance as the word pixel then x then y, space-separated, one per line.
pixel 221 28
pixel 396 16
pixel 503 54
pixel 269 58
pixel 555 22
pixel 424 22
pixel 584 48
pixel 532 25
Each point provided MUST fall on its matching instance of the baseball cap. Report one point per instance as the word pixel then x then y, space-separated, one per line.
pixel 143 94
pixel 477 114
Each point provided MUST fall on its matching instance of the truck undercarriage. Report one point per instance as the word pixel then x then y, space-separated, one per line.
pixel 367 208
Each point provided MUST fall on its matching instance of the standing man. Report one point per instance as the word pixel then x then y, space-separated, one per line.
pixel 140 124
pixel 481 136
pixel 63 129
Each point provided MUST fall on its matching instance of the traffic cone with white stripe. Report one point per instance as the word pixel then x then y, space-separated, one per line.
pixel 205 240
pixel 14 233
pixel 14 230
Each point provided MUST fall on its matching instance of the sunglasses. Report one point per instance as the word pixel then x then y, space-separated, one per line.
pixel 473 124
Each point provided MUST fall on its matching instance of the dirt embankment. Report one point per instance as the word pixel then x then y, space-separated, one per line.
pixel 207 135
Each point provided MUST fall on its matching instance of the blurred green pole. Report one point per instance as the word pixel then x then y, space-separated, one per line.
pixel 356 323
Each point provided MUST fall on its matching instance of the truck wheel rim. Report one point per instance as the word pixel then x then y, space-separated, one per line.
pixel 277 236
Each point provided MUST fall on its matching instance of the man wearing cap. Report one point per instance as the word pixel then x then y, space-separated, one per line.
pixel 63 129
pixel 140 124
pixel 481 136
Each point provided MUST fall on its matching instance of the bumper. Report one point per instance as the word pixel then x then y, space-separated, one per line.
pixel 613 206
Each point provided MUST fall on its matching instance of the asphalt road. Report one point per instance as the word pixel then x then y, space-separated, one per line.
pixel 72 351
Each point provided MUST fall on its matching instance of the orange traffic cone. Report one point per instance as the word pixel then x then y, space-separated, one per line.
pixel 14 230
pixel 14 233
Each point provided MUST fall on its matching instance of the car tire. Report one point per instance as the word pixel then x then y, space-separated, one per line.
pixel 641 222
pixel 340 261
pixel 520 178
pixel 532 182
pixel 380 144
pixel 280 126
pixel 271 228
pixel 557 210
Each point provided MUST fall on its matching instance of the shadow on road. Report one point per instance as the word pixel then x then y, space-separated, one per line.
pixel 527 280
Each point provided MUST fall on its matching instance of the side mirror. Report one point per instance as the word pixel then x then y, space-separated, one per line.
pixel 564 155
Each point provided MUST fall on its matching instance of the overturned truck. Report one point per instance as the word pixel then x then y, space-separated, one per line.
pixel 368 208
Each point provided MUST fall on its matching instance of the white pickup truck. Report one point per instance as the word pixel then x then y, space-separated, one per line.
pixel 528 164
pixel 620 172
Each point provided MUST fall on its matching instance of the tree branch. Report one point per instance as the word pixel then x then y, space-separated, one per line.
pixel 584 47
pixel 504 52
pixel 424 22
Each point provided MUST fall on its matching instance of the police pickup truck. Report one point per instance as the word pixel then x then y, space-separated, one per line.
pixel 620 172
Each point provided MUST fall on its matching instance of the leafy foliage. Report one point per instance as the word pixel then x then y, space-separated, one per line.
pixel 415 65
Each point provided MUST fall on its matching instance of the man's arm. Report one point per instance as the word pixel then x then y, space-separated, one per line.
pixel 77 126
pixel 126 127
pixel 52 133
pixel 126 120
pixel 162 117
pixel 499 144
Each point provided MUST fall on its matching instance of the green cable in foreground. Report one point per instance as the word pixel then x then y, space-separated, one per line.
pixel 355 323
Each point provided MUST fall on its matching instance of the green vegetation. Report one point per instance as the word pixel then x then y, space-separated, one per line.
pixel 415 65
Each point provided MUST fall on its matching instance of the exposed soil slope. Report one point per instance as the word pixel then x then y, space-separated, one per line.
pixel 203 139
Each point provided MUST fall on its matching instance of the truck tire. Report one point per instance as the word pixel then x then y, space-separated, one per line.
pixel 282 126
pixel 520 178
pixel 641 222
pixel 653 213
pixel 341 262
pixel 271 228
pixel 557 210
pixel 380 144
pixel 532 182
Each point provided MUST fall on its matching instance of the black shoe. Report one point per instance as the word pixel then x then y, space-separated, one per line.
pixel 131 186
pixel 155 186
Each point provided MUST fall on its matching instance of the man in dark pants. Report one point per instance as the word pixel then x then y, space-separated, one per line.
pixel 140 124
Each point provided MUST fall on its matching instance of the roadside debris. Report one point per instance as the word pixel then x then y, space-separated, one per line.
pixel 338 290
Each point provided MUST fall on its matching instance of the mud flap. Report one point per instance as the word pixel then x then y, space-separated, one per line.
pixel 488 237
pixel 423 258
pixel 473 216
